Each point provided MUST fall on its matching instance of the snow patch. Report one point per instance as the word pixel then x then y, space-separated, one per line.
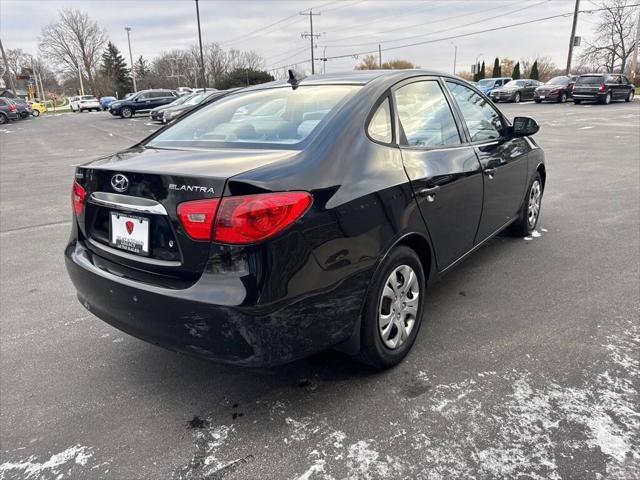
pixel 57 466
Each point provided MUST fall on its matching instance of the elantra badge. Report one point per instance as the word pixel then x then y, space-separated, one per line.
pixel 191 188
pixel 119 182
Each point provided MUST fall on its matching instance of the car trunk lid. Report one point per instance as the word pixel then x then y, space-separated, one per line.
pixel 130 219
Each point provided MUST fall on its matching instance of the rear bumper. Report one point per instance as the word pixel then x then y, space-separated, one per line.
pixel 211 319
pixel 589 96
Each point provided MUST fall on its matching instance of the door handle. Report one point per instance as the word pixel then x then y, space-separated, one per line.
pixel 490 172
pixel 430 193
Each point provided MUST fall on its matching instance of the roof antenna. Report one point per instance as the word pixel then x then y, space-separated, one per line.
pixel 295 78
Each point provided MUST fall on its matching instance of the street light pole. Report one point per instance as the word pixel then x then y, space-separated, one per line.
pixel 9 72
pixel 133 69
pixel 204 79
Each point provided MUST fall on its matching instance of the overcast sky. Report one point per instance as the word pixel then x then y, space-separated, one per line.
pixel 346 27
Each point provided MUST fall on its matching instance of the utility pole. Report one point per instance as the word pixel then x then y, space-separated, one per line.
pixel 311 36
pixel 380 56
pixel 455 56
pixel 573 36
pixel 634 58
pixel 324 60
pixel 204 79
pixel 133 69
pixel 9 72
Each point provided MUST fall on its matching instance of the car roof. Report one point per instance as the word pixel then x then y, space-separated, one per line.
pixel 358 77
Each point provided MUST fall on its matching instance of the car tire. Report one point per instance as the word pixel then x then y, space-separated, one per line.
pixel 563 97
pixel 36 113
pixel 530 212
pixel 607 99
pixel 577 102
pixel 516 98
pixel 3 118
pixel 630 96
pixel 538 101
pixel 126 112
pixel 400 273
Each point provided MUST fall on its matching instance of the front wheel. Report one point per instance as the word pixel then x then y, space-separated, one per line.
pixel 538 101
pixel 126 112
pixel 630 96
pixel 530 212
pixel 393 310
pixel 516 99
pixel 3 119
pixel 563 97
pixel 577 102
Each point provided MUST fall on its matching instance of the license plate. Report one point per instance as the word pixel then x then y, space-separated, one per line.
pixel 130 233
pixel 541 97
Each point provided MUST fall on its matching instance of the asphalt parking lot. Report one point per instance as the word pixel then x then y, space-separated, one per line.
pixel 527 366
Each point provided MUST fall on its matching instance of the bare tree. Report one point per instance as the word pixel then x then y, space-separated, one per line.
pixel 368 62
pixel 614 37
pixel 74 41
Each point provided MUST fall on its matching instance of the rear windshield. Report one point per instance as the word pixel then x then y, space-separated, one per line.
pixel 590 80
pixel 558 81
pixel 88 97
pixel 276 116
pixel 516 83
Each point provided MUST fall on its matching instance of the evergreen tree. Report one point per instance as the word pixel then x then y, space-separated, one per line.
pixel 482 71
pixel 496 68
pixel 534 71
pixel 516 72
pixel 141 67
pixel 115 70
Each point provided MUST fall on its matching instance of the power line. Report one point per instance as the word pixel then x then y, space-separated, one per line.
pixel 451 37
pixel 449 28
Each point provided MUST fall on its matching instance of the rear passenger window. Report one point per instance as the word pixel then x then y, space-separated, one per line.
pixel 380 124
pixel 425 116
pixel 483 122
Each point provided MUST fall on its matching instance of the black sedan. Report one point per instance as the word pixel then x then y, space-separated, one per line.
pixel 558 89
pixel 515 91
pixel 318 222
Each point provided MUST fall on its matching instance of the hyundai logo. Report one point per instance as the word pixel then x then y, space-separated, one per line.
pixel 119 182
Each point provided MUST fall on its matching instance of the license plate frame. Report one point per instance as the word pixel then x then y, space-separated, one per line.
pixel 134 241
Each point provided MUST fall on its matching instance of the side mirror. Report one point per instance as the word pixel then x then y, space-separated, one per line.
pixel 524 126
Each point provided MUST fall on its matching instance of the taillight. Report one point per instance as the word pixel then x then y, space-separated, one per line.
pixel 243 220
pixel 12 108
pixel 77 198
pixel 253 218
pixel 601 88
pixel 197 217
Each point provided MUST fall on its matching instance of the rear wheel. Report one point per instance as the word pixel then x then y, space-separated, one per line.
pixel 563 97
pixel 607 99
pixel 3 118
pixel 516 99
pixel 630 96
pixel 393 309
pixel 126 112
pixel 530 212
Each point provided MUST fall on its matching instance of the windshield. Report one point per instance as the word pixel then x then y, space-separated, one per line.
pixel 515 83
pixel 590 80
pixel 558 81
pixel 195 99
pixel 277 116
pixel 487 82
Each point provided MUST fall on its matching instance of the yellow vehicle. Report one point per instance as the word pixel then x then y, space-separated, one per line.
pixel 37 107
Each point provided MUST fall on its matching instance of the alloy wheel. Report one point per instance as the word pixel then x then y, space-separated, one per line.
pixel 607 99
pixel 533 210
pixel 398 306
pixel 631 94
pixel 517 98
pixel 126 112
pixel 563 98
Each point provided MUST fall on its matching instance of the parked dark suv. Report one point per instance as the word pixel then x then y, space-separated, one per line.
pixel 603 88
pixel 142 101
pixel 8 111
